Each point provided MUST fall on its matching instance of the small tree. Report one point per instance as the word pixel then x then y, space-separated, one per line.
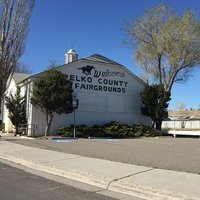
pixel 17 109
pixel 155 100
pixel 52 93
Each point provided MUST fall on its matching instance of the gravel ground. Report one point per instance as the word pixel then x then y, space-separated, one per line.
pixel 179 154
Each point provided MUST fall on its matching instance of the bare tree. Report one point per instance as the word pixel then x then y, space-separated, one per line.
pixel 14 26
pixel 167 45
pixel 52 64
pixel 181 106
pixel 23 68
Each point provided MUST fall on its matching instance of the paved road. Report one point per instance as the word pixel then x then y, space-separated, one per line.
pixel 16 184
pixel 180 154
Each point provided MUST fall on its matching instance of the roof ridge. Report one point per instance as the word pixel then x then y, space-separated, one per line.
pixel 98 57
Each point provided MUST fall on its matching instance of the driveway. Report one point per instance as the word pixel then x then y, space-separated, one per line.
pixel 180 154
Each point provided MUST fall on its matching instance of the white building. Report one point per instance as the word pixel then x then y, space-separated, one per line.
pixel 107 91
pixel 11 89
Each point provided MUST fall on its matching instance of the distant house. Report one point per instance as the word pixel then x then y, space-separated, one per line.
pixel 184 114
pixel 182 119
pixel 106 90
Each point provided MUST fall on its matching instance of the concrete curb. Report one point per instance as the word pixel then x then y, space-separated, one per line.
pixel 117 185
pixel 74 175
pixel 147 193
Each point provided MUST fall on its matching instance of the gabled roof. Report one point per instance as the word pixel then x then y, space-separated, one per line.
pixel 93 58
pixel 100 58
pixel 18 77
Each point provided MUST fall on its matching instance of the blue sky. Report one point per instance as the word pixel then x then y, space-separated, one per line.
pixel 94 26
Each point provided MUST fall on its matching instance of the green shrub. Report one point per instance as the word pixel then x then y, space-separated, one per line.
pixel 2 125
pixel 145 131
pixel 113 129
pixel 69 131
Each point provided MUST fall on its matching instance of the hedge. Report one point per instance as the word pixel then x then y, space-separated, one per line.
pixel 112 130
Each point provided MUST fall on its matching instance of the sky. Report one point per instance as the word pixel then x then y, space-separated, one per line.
pixel 95 26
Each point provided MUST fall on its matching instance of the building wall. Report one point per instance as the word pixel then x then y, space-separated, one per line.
pixel 35 118
pixel 105 93
pixel 8 125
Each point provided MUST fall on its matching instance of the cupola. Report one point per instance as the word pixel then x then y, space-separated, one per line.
pixel 71 56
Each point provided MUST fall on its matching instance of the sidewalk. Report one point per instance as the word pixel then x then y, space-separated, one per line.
pixel 142 182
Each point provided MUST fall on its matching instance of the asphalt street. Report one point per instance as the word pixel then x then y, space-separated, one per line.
pixel 16 184
pixel 179 154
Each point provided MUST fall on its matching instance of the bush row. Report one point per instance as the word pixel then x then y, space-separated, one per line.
pixel 112 129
